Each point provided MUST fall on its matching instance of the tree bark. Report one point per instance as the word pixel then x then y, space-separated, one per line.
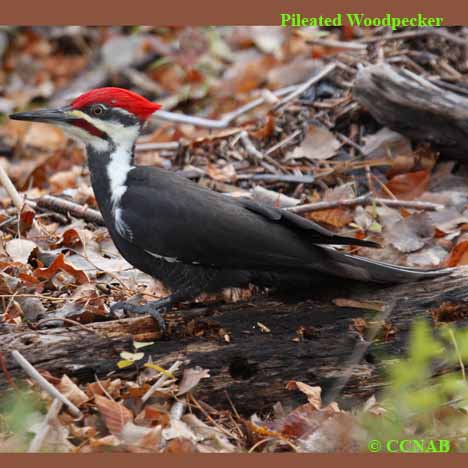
pixel 415 107
pixel 254 365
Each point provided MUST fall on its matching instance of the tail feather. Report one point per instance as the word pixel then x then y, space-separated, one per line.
pixel 365 269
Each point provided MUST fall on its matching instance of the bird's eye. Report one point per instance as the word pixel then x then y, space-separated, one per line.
pixel 98 110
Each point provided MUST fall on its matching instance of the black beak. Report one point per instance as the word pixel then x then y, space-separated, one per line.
pixel 53 116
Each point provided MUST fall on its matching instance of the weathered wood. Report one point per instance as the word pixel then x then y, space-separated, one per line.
pixel 415 107
pixel 253 367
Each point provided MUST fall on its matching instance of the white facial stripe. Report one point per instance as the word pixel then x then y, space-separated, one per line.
pixel 80 134
pixel 119 133
pixel 123 138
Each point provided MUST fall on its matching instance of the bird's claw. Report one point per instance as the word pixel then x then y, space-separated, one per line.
pixel 154 309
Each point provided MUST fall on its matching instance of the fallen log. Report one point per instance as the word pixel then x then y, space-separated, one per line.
pixel 270 342
pixel 415 107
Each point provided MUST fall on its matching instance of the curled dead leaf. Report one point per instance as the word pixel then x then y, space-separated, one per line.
pixel 59 264
pixel 115 415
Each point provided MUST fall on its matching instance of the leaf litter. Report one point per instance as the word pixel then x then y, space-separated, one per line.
pixel 319 147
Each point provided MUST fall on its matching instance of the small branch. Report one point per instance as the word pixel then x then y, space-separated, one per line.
pixel 271 198
pixel 11 190
pixel 157 385
pixel 45 427
pixel 224 121
pixel 365 200
pixel 305 86
pixel 168 145
pixel 43 383
pixel 283 142
pixel 288 178
pixel 60 205
pixel 350 45
pixel 399 36
pixel 250 147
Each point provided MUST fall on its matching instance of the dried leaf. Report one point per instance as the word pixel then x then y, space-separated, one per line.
pixel 132 356
pixel 409 186
pixel 387 143
pixel 68 388
pixel 115 415
pixel 19 250
pixel 57 265
pixel 319 144
pixel 458 256
pixel 334 217
pixel 313 393
pixel 412 233
pixel 148 437
pixel 191 378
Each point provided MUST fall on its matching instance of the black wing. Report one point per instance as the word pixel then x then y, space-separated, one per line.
pixel 170 216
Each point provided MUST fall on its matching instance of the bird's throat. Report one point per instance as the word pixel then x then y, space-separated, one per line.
pixel 109 172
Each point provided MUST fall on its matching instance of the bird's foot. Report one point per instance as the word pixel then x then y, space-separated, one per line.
pixel 154 308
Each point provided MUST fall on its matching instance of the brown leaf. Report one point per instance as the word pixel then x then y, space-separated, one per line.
pixel 115 414
pixel 409 186
pixel 191 378
pixel 57 265
pixel 26 218
pixel 458 256
pixel 334 217
pixel 388 144
pixel 68 388
pixel 313 393
pixel 71 238
pixel 319 144
pixel 266 130
pixel 180 445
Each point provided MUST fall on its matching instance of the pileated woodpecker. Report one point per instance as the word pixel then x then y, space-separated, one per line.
pixel 192 239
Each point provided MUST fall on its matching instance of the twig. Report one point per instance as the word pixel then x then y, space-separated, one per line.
pixel 257 155
pixel 249 146
pixel 43 383
pixel 305 86
pixel 351 45
pixel 272 198
pixel 168 145
pixel 224 121
pixel 45 427
pixel 11 190
pixel 207 416
pixel 70 321
pixel 67 207
pixel 157 385
pixel 289 178
pixel 365 200
pixel 283 142
pixel 399 36
pixel 417 33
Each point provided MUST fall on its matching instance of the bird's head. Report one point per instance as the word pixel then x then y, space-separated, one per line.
pixel 99 118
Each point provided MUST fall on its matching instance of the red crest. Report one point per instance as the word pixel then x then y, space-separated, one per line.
pixel 118 97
